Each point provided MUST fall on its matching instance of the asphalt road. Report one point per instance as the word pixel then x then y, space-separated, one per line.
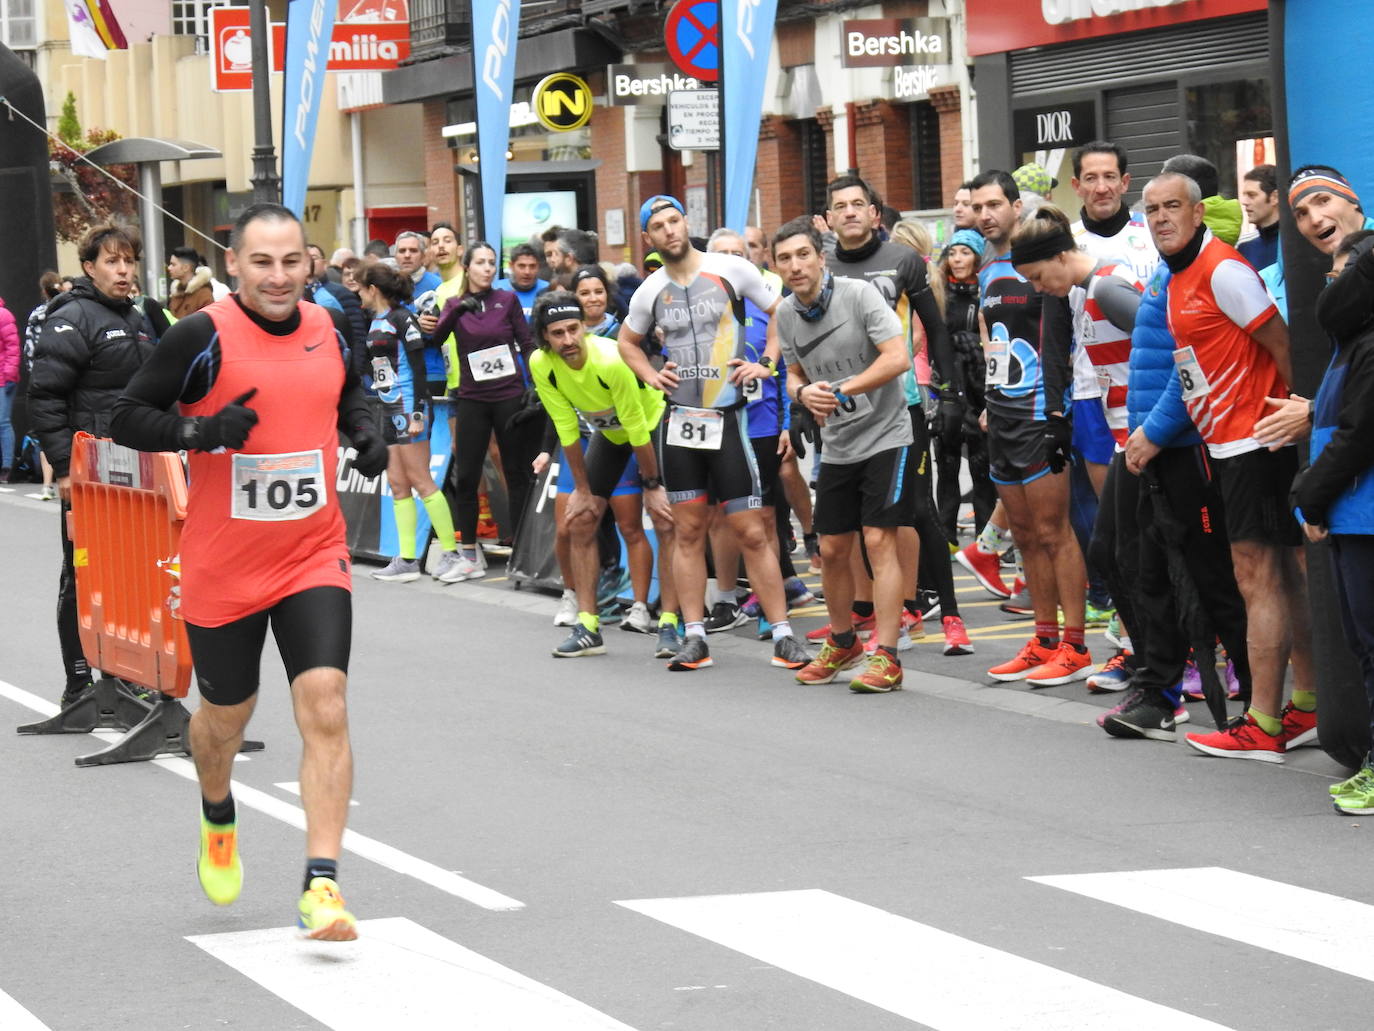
pixel 544 844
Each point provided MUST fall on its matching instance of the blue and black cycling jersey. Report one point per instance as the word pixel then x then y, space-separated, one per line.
pixel 767 408
pixel 1035 332
pixel 396 362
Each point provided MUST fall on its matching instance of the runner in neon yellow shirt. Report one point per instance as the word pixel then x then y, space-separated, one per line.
pixel 580 375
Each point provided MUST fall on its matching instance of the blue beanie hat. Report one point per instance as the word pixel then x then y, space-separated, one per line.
pixel 968 238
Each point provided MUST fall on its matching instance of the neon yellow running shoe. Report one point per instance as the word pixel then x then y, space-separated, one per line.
pixel 322 914
pixel 219 867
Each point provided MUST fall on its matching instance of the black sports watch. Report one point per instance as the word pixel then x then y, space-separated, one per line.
pixel 650 482
pixel 766 362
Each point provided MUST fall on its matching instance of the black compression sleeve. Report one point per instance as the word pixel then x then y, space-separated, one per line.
pixel 142 417
pixel 1056 336
pixel 939 349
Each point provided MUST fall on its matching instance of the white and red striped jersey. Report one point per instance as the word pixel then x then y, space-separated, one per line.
pixel 1103 308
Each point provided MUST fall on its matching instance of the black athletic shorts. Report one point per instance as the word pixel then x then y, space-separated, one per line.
pixel 727 475
pixel 313 628
pixel 1016 450
pixel 878 491
pixel 769 464
pixel 1254 491
pixel 606 462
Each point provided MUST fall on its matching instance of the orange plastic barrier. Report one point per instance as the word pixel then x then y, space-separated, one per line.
pixel 125 525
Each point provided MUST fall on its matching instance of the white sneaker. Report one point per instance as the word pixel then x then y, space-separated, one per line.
pixel 638 620
pixel 398 571
pixel 466 569
pixel 446 569
pixel 567 609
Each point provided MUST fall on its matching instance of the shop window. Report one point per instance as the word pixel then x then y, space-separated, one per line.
pixel 1220 115
pixel 925 148
pixel 192 18
pixel 17 24
pixel 815 168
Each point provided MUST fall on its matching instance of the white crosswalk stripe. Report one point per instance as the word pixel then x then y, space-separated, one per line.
pixel 399 975
pixel 14 1017
pixel 1328 930
pixel 915 971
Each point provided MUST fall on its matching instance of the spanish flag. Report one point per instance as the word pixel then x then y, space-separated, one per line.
pixel 94 28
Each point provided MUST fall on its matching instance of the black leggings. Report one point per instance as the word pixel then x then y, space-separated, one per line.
pixel 476 421
pixel 935 571
pixel 74 662
pixel 313 628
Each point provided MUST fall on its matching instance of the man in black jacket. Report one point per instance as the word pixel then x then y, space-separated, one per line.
pixel 92 342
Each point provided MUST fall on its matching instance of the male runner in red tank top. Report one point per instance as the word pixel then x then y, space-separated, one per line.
pixel 263 385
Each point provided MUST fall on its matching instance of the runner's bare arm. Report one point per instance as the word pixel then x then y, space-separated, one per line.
pixel 1273 337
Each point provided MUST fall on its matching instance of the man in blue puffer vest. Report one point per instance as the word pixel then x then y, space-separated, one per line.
pixel 1335 494
pixel 1182 475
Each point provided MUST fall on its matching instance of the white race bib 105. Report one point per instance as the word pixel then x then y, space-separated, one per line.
pixel 278 487
pixel 492 363
pixel 700 428
pixel 1191 380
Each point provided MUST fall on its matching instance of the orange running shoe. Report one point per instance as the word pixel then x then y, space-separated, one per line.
pixel 1032 656
pixel 861 624
pixel 832 658
pixel 1065 665
pixel 881 674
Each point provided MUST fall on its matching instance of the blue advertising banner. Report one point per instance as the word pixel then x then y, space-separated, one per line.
pixel 309 27
pixel 746 38
pixel 495 25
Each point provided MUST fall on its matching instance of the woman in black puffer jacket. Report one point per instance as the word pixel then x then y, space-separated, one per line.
pixel 958 274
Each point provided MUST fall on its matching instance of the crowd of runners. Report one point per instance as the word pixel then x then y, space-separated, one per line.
pixel 1106 391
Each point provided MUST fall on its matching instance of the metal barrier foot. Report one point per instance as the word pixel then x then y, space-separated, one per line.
pixel 162 731
pixel 110 704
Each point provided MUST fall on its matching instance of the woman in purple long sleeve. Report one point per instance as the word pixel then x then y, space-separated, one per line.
pixel 492 343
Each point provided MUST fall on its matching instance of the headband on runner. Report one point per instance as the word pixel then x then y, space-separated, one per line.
pixel 1043 249
pixel 1320 180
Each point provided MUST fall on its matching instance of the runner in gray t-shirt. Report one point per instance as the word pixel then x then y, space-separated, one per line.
pixel 845 355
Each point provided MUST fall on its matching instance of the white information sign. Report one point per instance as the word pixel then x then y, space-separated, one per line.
pixel 693 120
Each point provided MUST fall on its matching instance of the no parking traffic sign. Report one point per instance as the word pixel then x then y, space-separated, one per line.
pixel 692 36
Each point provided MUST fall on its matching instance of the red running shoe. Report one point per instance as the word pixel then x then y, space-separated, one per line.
pixel 956 637
pixel 986 569
pixel 1242 739
pixel 861 624
pixel 1299 727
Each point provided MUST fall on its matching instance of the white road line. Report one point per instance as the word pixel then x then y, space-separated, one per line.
pixel 293 787
pixel 915 971
pixel 1297 922
pixel 399 974
pixel 14 1017
pixel 294 816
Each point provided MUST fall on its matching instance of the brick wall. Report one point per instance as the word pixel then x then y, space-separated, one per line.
pixel 441 181
pixel 946 102
pixel 883 138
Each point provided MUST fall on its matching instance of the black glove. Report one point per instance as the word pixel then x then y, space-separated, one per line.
pixel 530 408
pixel 803 427
pixel 372 455
pixel 1058 439
pixel 228 428
pixel 948 424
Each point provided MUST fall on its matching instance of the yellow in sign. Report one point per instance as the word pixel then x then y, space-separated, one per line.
pixel 562 102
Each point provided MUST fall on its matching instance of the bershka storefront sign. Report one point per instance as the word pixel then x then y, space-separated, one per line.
pixel 885 42
pixel 629 84
pixel 1044 22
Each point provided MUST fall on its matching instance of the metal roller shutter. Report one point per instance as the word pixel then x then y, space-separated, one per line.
pixel 1145 120
pixel 1164 53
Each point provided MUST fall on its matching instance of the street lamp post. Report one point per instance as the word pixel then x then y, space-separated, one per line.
pixel 266 181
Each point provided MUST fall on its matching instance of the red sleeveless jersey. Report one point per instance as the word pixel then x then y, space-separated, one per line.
pixel 264 522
